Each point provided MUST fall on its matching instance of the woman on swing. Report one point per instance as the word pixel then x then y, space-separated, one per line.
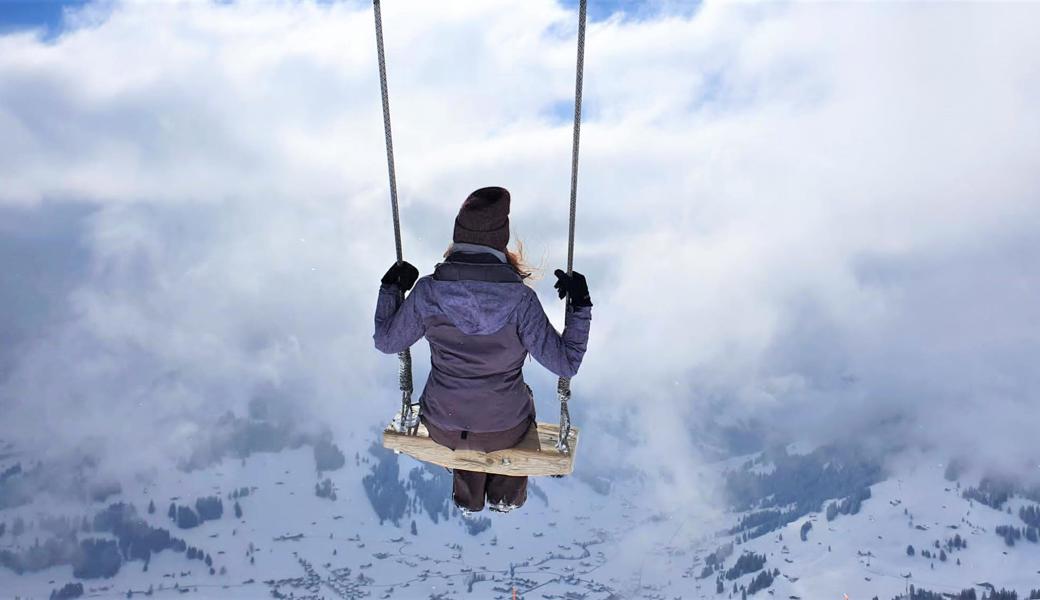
pixel 481 321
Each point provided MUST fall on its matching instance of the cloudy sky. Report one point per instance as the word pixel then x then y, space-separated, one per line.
pixel 813 222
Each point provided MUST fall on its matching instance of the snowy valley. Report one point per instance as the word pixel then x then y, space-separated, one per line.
pixel 266 513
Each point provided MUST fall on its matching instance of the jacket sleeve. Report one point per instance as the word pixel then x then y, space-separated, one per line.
pixel 561 354
pixel 398 324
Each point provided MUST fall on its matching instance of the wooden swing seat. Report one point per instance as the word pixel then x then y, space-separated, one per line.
pixel 535 455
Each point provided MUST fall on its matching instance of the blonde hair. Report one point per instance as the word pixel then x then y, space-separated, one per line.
pixel 519 263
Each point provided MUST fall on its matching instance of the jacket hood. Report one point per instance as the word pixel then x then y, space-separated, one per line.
pixel 477 307
pixel 477 292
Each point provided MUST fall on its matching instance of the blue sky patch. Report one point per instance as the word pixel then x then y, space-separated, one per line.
pixel 47 15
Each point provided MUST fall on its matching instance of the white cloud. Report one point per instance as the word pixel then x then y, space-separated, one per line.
pixel 816 215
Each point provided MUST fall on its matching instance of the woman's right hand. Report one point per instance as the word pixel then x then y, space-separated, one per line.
pixel 573 286
pixel 401 274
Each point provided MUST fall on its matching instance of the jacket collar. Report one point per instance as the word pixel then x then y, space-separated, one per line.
pixel 480 265
pixel 465 248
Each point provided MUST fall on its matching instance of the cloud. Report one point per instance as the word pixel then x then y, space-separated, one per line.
pixel 805 220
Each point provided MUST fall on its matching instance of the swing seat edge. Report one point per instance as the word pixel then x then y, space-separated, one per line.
pixel 536 455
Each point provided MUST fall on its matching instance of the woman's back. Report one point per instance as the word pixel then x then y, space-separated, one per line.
pixel 470 309
pixel 481 321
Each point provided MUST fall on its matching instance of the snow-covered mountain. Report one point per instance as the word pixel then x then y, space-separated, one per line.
pixel 267 522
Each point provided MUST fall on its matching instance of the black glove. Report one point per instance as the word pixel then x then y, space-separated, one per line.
pixel 402 274
pixel 573 285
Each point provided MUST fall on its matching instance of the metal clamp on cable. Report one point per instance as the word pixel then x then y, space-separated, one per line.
pixel 409 419
pixel 563 393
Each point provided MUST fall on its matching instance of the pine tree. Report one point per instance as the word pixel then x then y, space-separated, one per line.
pixel 238 510
pixel 909 550
pixel 151 507
pixel 414 530
pixel 172 513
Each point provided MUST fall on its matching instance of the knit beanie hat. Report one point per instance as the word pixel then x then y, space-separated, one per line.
pixel 484 219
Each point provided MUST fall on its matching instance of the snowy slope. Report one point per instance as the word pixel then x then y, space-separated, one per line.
pixel 580 542
pixel 833 561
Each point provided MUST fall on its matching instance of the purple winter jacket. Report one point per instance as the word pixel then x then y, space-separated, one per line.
pixel 481 321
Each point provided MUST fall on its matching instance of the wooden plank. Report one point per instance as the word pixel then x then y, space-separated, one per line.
pixel 535 455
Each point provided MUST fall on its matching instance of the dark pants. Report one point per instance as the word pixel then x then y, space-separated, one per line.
pixel 470 488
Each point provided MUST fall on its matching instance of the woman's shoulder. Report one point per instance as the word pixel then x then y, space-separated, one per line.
pixel 528 297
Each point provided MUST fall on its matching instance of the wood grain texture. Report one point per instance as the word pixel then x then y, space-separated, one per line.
pixel 536 455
